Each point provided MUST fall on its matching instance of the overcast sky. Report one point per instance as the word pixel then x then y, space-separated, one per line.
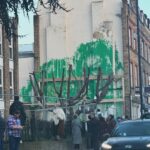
pixel 26 25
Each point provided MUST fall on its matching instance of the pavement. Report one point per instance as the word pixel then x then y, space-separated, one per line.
pixel 62 144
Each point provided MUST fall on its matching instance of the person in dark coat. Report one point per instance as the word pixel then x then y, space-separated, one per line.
pixel 94 130
pixel 17 105
pixel 111 123
pixel 89 132
pixel 33 126
pixel 103 127
pixel 76 132
pixel 2 129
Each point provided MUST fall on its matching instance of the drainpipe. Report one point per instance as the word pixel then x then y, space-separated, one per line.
pixel 139 58
pixel 129 64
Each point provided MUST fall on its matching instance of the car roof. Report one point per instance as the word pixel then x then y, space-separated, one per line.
pixel 135 121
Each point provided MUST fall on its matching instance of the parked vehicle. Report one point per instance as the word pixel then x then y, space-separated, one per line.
pixel 129 135
pixel 145 116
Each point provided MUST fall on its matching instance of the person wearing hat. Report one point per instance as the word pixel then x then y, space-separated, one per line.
pixel 14 130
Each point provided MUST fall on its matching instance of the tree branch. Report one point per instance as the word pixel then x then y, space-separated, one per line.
pixel 54 84
pixel 35 90
pixel 14 6
pixel 69 78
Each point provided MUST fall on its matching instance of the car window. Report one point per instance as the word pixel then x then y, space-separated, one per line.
pixel 132 129
pixel 146 116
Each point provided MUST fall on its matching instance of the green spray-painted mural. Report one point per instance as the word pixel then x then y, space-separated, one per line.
pixel 90 55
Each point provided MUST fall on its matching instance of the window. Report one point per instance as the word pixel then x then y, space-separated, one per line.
pixel 0 76
pixel 11 84
pixel 11 93
pixel 134 44
pixel 1 89
pixel 144 77
pixel 11 46
pixel 130 36
pixel 0 49
pixel 147 54
pixel 136 76
pixel 131 74
pixel 10 78
pixel 0 33
pixel 148 79
pixel 1 92
pixel 10 41
pixel 145 51
pixel 10 53
pixel 0 39
pixel 142 48
pixel 132 129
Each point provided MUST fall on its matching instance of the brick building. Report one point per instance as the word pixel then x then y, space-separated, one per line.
pixel 8 69
pixel 130 54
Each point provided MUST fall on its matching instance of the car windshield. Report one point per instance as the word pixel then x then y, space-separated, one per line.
pixel 132 129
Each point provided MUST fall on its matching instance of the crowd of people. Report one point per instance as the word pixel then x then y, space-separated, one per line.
pixel 92 125
pixel 97 129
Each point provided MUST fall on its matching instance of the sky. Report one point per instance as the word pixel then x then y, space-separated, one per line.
pixel 26 28
pixel 26 25
pixel 145 6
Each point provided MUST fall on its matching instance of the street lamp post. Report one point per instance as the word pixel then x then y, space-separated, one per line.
pixel 139 58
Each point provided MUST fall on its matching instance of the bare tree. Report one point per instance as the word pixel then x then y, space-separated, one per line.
pixel 100 93
pixel 80 94
pixel 101 90
pixel 38 91
pixel 59 93
pixel 69 79
pixel 82 91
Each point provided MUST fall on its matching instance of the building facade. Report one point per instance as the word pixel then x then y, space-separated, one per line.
pixel 93 34
pixel 8 68
pixel 26 63
pixel 130 55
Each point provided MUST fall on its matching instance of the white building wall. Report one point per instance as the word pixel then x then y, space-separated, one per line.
pixel 62 33
pixel 26 66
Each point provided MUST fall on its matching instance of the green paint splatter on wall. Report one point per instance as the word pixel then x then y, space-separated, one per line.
pixel 90 55
pixel 112 108
pixel 26 93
